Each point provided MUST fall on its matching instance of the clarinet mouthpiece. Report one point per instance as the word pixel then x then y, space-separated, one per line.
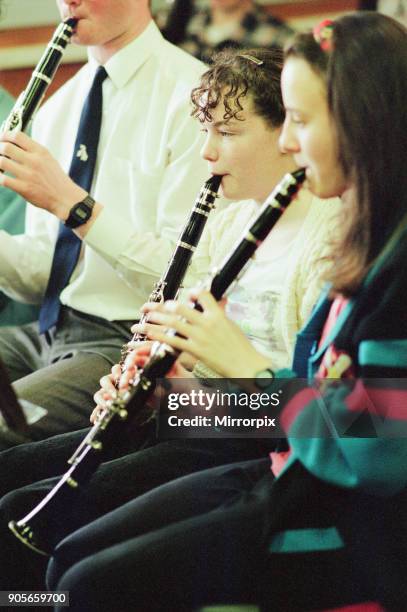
pixel 71 22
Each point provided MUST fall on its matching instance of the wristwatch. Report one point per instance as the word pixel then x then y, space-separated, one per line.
pixel 80 213
pixel 263 378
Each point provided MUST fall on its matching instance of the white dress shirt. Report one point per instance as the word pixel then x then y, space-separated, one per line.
pixel 147 176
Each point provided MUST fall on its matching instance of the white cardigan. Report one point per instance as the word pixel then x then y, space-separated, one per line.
pixel 304 268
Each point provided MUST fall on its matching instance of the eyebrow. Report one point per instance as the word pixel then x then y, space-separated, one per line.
pixel 229 123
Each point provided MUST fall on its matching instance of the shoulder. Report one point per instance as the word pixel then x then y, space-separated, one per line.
pixel 320 222
pixel 388 276
pixel 173 73
pixel 379 316
pixel 179 65
pixel 227 225
pixel 173 62
pixel 324 213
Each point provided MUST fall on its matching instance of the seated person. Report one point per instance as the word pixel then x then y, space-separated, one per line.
pixel 110 174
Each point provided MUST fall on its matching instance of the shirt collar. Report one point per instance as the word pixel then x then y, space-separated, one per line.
pixel 123 65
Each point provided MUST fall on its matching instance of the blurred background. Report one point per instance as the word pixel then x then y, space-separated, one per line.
pixel 26 26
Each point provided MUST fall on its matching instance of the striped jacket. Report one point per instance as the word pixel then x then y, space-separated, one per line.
pixel 338 511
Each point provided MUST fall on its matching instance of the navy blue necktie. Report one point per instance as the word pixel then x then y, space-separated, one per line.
pixel 68 245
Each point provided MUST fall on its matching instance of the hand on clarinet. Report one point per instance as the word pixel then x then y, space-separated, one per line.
pixel 36 175
pixel 209 336
pixel 118 381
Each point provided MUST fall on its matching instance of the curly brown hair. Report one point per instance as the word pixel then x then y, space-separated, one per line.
pixel 233 77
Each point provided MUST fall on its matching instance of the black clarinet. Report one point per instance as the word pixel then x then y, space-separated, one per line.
pixel 18 120
pixel 110 428
pixel 169 285
pixel 30 99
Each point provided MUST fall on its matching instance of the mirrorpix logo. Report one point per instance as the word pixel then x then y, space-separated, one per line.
pixel 214 413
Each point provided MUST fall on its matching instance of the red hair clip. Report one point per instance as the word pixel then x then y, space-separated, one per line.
pixel 323 33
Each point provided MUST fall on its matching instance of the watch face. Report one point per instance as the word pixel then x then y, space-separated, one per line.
pixel 80 213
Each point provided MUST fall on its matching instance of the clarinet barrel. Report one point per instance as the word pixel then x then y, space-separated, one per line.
pixel 168 286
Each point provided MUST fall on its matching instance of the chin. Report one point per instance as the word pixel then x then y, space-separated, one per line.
pixel 87 35
pixel 227 195
pixel 81 36
pixel 320 190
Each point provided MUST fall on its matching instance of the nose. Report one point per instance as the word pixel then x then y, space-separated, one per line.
pixel 209 151
pixel 70 2
pixel 288 141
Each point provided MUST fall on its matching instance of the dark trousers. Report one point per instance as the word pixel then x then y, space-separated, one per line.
pixel 205 539
pixel 115 483
pixel 59 372
pixel 197 540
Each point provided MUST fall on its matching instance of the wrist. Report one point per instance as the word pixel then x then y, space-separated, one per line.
pixel 63 206
pixel 250 368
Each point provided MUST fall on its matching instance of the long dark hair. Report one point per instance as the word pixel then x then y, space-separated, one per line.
pixel 365 74
pixel 233 76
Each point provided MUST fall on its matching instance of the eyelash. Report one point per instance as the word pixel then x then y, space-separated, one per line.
pixel 220 132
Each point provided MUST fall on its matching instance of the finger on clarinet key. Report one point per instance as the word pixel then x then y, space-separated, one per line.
pixel 115 372
pixel 107 385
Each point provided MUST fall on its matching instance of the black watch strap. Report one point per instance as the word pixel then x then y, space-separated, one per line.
pixel 80 213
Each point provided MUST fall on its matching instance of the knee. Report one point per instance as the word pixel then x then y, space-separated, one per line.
pixel 54 573
pixel 67 553
pixel 89 588
pixel 76 581
pixel 58 565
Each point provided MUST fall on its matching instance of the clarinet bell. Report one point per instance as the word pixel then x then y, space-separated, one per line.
pixel 26 535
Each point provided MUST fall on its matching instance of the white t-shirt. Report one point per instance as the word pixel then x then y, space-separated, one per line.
pixel 255 301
